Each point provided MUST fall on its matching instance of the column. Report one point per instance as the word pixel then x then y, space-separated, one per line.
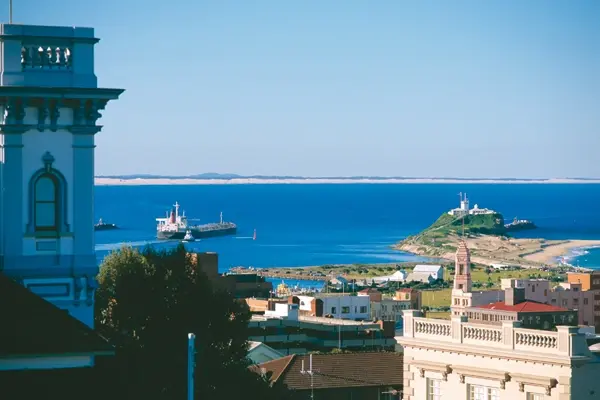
pixel 13 197
pixel 82 203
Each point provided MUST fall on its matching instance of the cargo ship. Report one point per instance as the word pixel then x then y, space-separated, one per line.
pixel 103 226
pixel 175 226
pixel 519 225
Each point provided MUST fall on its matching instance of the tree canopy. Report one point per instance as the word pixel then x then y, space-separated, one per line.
pixel 146 304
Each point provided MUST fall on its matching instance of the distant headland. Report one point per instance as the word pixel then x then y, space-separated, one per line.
pixel 224 179
pixel 488 237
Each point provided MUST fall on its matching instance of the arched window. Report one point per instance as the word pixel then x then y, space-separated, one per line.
pixel 47 200
pixel 46 203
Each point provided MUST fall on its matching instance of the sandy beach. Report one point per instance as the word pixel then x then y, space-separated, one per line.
pixel 101 181
pixel 488 250
pixel 550 253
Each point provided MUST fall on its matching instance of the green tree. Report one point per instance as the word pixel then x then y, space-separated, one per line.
pixel 147 302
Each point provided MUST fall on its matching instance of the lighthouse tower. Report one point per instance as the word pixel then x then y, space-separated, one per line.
pixel 50 105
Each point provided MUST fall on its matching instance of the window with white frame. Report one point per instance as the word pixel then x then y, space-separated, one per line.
pixel 535 396
pixel 477 392
pixel 434 389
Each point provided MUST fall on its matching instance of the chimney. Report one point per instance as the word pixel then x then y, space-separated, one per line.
pixel 514 296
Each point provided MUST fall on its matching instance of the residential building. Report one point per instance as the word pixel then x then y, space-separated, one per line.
pixel 588 280
pixel 398 276
pixel 462 295
pixel 535 289
pixel 356 376
pixel 566 295
pixel 239 285
pixel 460 360
pixel 423 277
pixel 374 294
pixel 339 282
pixel 515 307
pixel 286 331
pixel 391 309
pixel 259 353
pixel 51 107
pixel 412 296
pixel 337 305
pixel 436 271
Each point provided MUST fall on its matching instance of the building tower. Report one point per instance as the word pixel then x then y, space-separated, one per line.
pixel 49 107
pixel 461 292
pixel 462 268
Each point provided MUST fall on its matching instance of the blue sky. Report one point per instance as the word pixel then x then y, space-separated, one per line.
pixel 344 87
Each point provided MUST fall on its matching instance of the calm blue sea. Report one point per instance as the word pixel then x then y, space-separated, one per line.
pixel 300 225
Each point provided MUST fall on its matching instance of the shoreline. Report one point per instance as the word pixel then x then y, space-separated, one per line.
pixel 526 252
pixel 101 181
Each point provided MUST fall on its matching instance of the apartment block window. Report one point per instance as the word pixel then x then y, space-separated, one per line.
pixel 575 302
pixel 535 396
pixel 585 302
pixel 434 389
pixel 333 310
pixel 483 393
pixel 363 309
pixel 345 310
pixel 564 302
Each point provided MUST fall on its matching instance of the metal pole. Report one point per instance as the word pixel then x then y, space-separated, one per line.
pixel 191 365
pixel 10 11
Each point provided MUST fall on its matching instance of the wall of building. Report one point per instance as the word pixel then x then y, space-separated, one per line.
pixel 347 307
pixel 535 289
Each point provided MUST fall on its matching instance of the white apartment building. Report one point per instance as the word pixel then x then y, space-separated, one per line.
pixel 454 360
pixel 338 305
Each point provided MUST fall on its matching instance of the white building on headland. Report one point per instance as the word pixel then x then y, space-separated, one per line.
pixel 460 360
pixel 465 210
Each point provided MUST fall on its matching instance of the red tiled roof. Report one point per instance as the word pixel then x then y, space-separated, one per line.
pixel 37 327
pixel 337 370
pixel 526 306
pixel 406 290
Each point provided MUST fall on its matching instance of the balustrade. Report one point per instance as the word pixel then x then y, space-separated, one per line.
pixel 536 339
pixel 432 327
pixel 46 57
pixel 482 333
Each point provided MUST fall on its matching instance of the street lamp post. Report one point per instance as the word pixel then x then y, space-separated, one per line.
pixel 191 364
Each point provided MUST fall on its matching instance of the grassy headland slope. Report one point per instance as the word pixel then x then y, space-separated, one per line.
pixel 488 241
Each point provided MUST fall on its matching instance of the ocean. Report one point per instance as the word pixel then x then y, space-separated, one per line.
pixel 315 224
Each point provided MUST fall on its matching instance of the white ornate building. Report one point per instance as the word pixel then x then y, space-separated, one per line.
pixel 459 360
pixel 49 109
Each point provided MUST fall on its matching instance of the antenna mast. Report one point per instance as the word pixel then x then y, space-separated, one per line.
pixel 10 11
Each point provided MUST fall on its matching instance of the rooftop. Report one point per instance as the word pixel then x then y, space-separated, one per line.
pixel 318 320
pixel 524 307
pixel 362 369
pixel 37 327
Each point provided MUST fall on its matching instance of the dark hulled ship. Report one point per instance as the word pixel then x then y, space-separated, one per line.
pixel 175 226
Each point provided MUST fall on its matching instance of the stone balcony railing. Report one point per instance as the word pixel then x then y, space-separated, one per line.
pixel 566 341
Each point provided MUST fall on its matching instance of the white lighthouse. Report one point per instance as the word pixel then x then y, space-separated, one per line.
pixel 50 104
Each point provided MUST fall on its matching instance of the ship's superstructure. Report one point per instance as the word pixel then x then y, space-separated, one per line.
pixel 175 226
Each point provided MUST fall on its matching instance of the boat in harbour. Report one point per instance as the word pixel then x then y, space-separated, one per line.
pixel 102 226
pixel 176 226
pixel 188 236
pixel 519 225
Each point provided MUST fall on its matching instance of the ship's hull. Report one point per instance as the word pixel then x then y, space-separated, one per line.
pixel 198 234
pixel 105 227
pixel 520 227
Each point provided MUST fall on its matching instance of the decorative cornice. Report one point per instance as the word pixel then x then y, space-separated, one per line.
pixel 84 129
pixel 491 374
pixel 14 128
pixel 43 113
pixel 423 366
pixel 60 93
pixel 532 380
pixel 507 354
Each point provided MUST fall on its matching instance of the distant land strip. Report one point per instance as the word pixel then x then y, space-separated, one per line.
pixel 222 179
